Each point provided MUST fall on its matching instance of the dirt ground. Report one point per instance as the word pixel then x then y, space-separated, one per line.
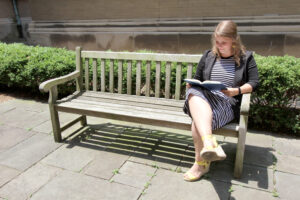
pixel 5 97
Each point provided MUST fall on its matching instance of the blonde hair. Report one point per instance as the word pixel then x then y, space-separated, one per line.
pixel 229 29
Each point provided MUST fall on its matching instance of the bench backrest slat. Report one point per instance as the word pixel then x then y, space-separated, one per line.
pixel 102 75
pixel 120 76
pixel 168 80
pixel 178 81
pixel 148 74
pixel 157 80
pixel 129 81
pixel 86 72
pixel 111 76
pixel 141 56
pixel 138 78
pixel 95 78
pixel 138 71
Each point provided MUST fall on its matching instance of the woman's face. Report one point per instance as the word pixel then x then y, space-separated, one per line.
pixel 224 45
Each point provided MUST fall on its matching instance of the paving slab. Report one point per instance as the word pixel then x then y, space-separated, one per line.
pixel 5 107
pixel 28 152
pixel 22 118
pixel 46 127
pixel 70 185
pixel 287 163
pixel 287 185
pixel 104 164
pixel 244 193
pixel 170 185
pixel 29 182
pixel 134 174
pixel 188 159
pixel 6 174
pixel 127 141
pixel 10 136
pixel 259 139
pixel 71 157
pixel 29 105
pixel 287 146
pixel 260 156
pixel 253 176
pixel 155 151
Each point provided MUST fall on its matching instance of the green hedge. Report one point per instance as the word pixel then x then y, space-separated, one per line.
pixel 25 67
pixel 273 104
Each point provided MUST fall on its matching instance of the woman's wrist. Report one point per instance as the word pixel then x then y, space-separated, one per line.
pixel 239 91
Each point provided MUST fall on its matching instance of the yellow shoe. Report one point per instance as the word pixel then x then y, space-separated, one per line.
pixel 190 177
pixel 211 153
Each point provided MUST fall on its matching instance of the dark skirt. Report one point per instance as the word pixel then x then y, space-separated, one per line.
pixel 219 103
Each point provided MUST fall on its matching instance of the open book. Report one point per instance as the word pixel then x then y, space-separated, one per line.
pixel 210 85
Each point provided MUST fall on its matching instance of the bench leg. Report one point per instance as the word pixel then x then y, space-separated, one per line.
pixel 55 124
pixel 238 168
pixel 83 120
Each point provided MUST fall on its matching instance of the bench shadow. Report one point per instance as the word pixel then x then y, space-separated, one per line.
pixel 175 152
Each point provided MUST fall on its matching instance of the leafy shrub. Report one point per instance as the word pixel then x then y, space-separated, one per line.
pixel 273 104
pixel 26 67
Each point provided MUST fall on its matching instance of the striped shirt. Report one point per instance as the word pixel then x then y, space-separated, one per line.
pixel 223 71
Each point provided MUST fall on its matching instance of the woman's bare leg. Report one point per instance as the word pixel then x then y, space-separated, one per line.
pixel 202 117
pixel 196 170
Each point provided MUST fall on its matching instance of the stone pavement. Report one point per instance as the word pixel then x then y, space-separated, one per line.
pixel 116 160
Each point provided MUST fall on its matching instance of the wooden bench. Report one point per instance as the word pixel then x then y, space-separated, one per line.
pixel 145 106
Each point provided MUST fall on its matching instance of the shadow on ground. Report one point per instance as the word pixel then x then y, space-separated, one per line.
pixel 175 152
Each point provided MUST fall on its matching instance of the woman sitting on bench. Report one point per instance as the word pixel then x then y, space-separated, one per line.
pixel 229 63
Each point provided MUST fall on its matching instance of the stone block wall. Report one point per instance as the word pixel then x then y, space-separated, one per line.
pixel 268 27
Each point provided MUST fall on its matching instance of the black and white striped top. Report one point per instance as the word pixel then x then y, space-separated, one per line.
pixel 223 71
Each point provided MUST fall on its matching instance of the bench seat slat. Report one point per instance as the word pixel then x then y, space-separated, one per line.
pixel 139 104
pixel 131 106
pixel 161 101
pixel 100 104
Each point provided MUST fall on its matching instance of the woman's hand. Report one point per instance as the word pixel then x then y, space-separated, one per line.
pixel 231 92
pixel 188 85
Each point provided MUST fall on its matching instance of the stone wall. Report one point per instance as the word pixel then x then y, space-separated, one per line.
pixel 8 26
pixel 149 9
pixel 268 27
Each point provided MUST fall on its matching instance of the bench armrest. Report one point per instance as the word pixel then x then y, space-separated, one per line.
pixel 46 85
pixel 245 105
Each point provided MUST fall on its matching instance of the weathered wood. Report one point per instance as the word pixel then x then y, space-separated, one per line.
pixel 168 80
pixel 148 74
pixel 95 74
pixel 111 76
pixel 189 71
pixel 138 77
pixel 240 150
pixel 178 81
pixel 132 107
pixel 157 80
pixel 86 72
pixel 157 119
pixel 245 106
pixel 120 76
pixel 102 75
pixel 160 106
pixel 125 97
pixel 129 80
pixel 47 85
pixel 54 114
pixel 71 123
pixel 79 79
pixel 142 56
